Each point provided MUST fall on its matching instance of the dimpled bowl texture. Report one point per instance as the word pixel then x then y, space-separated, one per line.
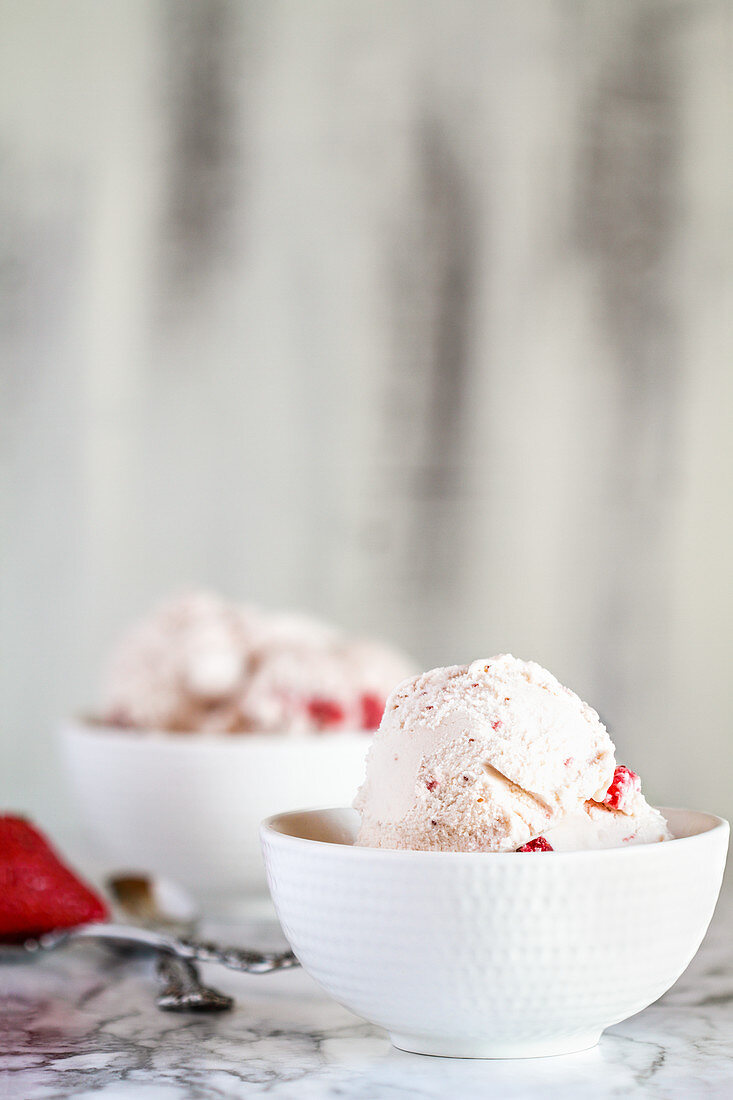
pixel 485 955
pixel 188 806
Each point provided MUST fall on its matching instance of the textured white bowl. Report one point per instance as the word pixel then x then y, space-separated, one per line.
pixel 188 806
pixel 492 955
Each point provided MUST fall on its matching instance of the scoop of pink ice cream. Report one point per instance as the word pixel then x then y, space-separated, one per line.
pixel 198 663
pixel 488 757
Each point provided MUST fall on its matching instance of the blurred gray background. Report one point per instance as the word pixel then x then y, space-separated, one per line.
pixel 414 315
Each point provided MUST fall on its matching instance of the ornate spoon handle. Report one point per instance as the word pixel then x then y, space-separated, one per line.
pixel 235 958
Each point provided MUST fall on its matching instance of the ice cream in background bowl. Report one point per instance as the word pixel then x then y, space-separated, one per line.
pixel 214 715
pixel 502 888
pixel 199 664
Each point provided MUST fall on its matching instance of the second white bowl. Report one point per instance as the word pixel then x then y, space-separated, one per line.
pixel 188 806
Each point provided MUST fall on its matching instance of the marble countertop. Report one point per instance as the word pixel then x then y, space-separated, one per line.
pixel 82 1022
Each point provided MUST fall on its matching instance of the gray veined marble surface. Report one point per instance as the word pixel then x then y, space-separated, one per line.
pixel 82 1023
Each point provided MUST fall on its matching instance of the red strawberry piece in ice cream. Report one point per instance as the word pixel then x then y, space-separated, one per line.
pixel 625 785
pixel 38 893
pixel 326 712
pixel 372 708
pixel 539 844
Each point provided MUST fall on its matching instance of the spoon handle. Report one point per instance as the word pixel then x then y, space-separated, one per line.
pixel 235 958
pixel 183 990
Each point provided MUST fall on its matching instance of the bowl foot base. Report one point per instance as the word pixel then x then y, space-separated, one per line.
pixel 451 1047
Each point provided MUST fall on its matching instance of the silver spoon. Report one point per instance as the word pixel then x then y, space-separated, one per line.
pixel 150 902
pixel 183 989
pixel 234 958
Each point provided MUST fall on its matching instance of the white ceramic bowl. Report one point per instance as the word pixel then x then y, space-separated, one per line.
pixel 188 806
pixel 492 955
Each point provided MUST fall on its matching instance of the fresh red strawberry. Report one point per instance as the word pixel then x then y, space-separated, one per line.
pixel 372 708
pixel 539 844
pixel 624 786
pixel 326 712
pixel 37 892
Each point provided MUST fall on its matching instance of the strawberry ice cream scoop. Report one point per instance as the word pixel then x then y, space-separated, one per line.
pixel 200 664
pixel 492 756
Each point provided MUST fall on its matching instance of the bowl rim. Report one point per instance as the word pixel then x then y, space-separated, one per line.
pixel 717 827
pixel 94 729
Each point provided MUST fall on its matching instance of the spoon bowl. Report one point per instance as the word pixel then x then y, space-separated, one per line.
pixel 153 902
